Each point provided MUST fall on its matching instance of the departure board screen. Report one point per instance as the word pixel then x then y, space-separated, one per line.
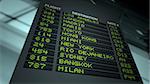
pixel 65 43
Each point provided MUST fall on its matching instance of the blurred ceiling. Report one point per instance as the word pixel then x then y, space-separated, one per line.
pixel 139 6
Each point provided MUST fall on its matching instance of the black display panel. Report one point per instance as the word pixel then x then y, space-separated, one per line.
pixel 67 44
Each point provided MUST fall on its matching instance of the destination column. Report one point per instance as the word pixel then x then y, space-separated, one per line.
pixel 83 47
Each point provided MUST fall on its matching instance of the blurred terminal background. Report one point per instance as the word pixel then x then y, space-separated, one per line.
pixel 16 17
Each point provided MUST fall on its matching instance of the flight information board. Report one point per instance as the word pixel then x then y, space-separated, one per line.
pixel 74 43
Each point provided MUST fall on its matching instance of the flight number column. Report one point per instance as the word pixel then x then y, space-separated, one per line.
pixel 41 52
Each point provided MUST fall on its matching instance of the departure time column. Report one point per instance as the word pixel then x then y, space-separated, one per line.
pixel 124 57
